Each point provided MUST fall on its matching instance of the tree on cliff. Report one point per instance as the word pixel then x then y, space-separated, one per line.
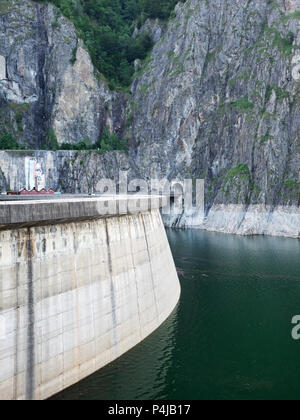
pixel 8 142
pixel 159 8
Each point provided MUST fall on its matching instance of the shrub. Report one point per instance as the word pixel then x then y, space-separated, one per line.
pixel 8 142
pixel 107 143
pixel 50 142
pixel 110 141
pixel 66 146
pixel 243 104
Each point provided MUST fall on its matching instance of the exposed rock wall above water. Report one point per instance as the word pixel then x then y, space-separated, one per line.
pixel 218 99
pixel 50 84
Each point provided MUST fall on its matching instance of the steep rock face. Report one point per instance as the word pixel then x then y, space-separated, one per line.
pixel 155 29
pixel 218 100
pixel 292 5
pixel 67 172
pixel 47 80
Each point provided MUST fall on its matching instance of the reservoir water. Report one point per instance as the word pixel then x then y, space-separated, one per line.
pixel 230 335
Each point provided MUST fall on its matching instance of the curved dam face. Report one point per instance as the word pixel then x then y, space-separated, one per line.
pixel 76 294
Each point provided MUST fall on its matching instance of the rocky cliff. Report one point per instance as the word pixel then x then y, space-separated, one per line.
pixel 47 80
pixel 218 99
pixel 65 171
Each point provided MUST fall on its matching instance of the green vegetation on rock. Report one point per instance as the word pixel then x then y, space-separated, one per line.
pixel 8 142
pixel 106 26
pixel 295 15
pixel 51 142
pixel 239 183
pixel 239 171
pixel 292 185
pixel 243 104
pixel 107 143
pixel 285 45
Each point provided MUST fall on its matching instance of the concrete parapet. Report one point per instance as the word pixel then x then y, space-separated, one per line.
pixel 37 212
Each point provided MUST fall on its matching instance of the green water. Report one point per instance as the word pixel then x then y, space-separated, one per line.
pixel 230 335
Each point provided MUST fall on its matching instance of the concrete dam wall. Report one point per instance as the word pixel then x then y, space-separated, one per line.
pixel 77 290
